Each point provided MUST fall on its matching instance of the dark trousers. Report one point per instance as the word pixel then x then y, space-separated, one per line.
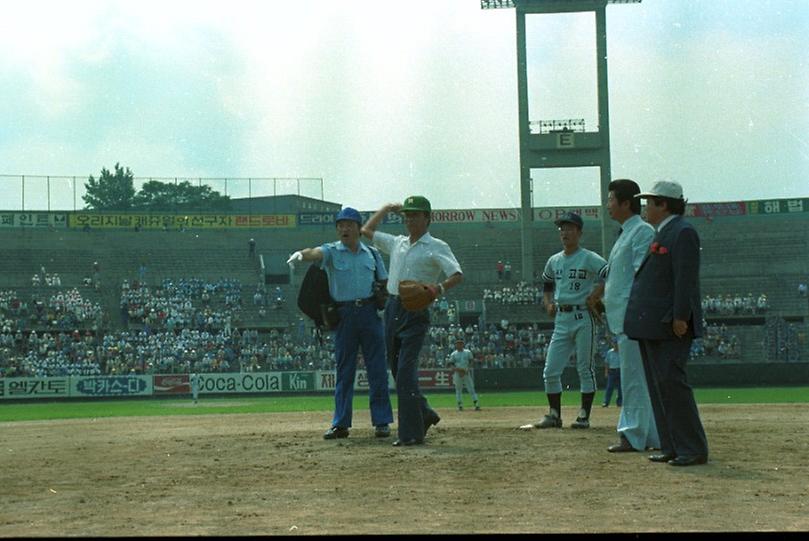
pixel 360 327
pixel 613 383
pixel 673 404
pixel 404 335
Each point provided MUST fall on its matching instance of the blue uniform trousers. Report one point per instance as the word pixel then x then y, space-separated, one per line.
pixel 613 383
pixel 360 326
pixel 404 335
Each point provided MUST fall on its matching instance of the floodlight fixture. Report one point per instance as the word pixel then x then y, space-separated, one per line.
pixel 570 125
pixel 503 4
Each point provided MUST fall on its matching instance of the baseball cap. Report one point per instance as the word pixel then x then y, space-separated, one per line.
pixel 349 213
pixel 571 218
pixel 417 203
pixel 664 188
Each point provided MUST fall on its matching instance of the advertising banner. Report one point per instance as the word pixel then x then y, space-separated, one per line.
pixel 90 386
pixel 93 220
pixel 435 379
pixel 171 384
pixel 449 216
pixel 710 210
pixel 327 218
pixel 55 387
pixel 257 382
pixel 33 219
pixel 551 214
pixel 778 206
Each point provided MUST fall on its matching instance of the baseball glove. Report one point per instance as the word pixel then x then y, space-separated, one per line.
pixel 416 296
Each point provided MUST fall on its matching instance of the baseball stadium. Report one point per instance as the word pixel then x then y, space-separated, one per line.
pixel 159 375
pixel 98 418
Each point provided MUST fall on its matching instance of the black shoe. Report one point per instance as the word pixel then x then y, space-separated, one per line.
pixel 622 446
pixel 688 460
pixel 400 443
pixel 382 431
pixel 335 432
pixel 430 420
pixel 661 457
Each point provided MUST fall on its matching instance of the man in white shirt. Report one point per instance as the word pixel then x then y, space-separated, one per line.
pixel 422 258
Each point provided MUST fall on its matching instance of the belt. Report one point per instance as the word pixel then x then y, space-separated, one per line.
pixel 569 307
pixel 356 302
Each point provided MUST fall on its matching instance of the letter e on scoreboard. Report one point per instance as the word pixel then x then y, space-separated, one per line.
pixel 566 140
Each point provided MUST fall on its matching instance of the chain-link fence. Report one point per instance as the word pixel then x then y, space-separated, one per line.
pixel 60 192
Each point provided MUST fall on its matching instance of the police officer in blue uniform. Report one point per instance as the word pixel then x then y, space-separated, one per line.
pixel 352 268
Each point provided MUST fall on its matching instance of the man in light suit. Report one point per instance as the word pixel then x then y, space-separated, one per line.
pixel 636 423
pixel 664 315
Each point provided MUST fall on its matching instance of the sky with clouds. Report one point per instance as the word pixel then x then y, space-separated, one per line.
pixel 384 99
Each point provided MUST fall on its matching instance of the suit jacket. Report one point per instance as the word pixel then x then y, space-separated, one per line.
pixel 666 285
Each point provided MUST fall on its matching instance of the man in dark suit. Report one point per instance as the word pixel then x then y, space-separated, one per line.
pixel 664 315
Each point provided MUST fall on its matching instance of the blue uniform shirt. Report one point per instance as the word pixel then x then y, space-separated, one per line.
pixel 351 275
pixel 613 359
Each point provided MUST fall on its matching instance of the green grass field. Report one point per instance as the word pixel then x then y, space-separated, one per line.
pixel 273 404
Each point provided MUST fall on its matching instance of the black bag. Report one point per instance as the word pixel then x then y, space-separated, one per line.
pixel 380 287
pixel 315 301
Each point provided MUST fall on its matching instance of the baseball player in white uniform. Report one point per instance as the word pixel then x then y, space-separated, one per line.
pixel 569 279
pixel 461 375
pixel 194 379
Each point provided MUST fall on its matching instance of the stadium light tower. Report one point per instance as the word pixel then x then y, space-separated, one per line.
pixel 570 145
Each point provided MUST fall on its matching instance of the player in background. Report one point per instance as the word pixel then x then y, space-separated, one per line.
pixel 569 278
pixel 459 362
pixel 194 380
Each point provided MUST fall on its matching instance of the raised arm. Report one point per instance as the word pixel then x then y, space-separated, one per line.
pixel 373 222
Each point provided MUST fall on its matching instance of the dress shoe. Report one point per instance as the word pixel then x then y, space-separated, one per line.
pixel 661 457
pixel 335 432
pixel 382 431
pixel 430 420
pixel 622 446
pixel 400 443
pixel 688 460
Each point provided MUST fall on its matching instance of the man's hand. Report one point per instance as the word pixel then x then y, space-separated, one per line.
pixel 679 327
pixel 596 307
pixel 551 309
pixel 294 258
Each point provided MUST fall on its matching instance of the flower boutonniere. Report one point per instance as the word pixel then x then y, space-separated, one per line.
pixel 657 248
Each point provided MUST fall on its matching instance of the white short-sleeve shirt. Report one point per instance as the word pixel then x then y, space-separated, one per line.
pixel 421 261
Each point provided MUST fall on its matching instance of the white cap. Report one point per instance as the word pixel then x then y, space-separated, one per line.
pixel 664 188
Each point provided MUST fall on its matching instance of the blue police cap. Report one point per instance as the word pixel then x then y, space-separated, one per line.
pixel 349 213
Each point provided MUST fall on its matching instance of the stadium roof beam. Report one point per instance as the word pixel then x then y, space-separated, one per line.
pixel 566 147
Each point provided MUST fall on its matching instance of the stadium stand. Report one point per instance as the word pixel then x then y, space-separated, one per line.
pixel 88 321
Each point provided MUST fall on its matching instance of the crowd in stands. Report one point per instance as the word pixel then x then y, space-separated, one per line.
pixel 521 293
pixel 717 341
pixel 162 352
pixel 190 324
pixel 505 345
pixel 48 354
pixel 61 310
pixel 185 303
pixel 735 304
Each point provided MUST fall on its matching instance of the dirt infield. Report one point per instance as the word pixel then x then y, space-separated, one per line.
pixel 274 474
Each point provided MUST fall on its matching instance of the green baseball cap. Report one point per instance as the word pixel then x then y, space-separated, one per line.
pixel 416 203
